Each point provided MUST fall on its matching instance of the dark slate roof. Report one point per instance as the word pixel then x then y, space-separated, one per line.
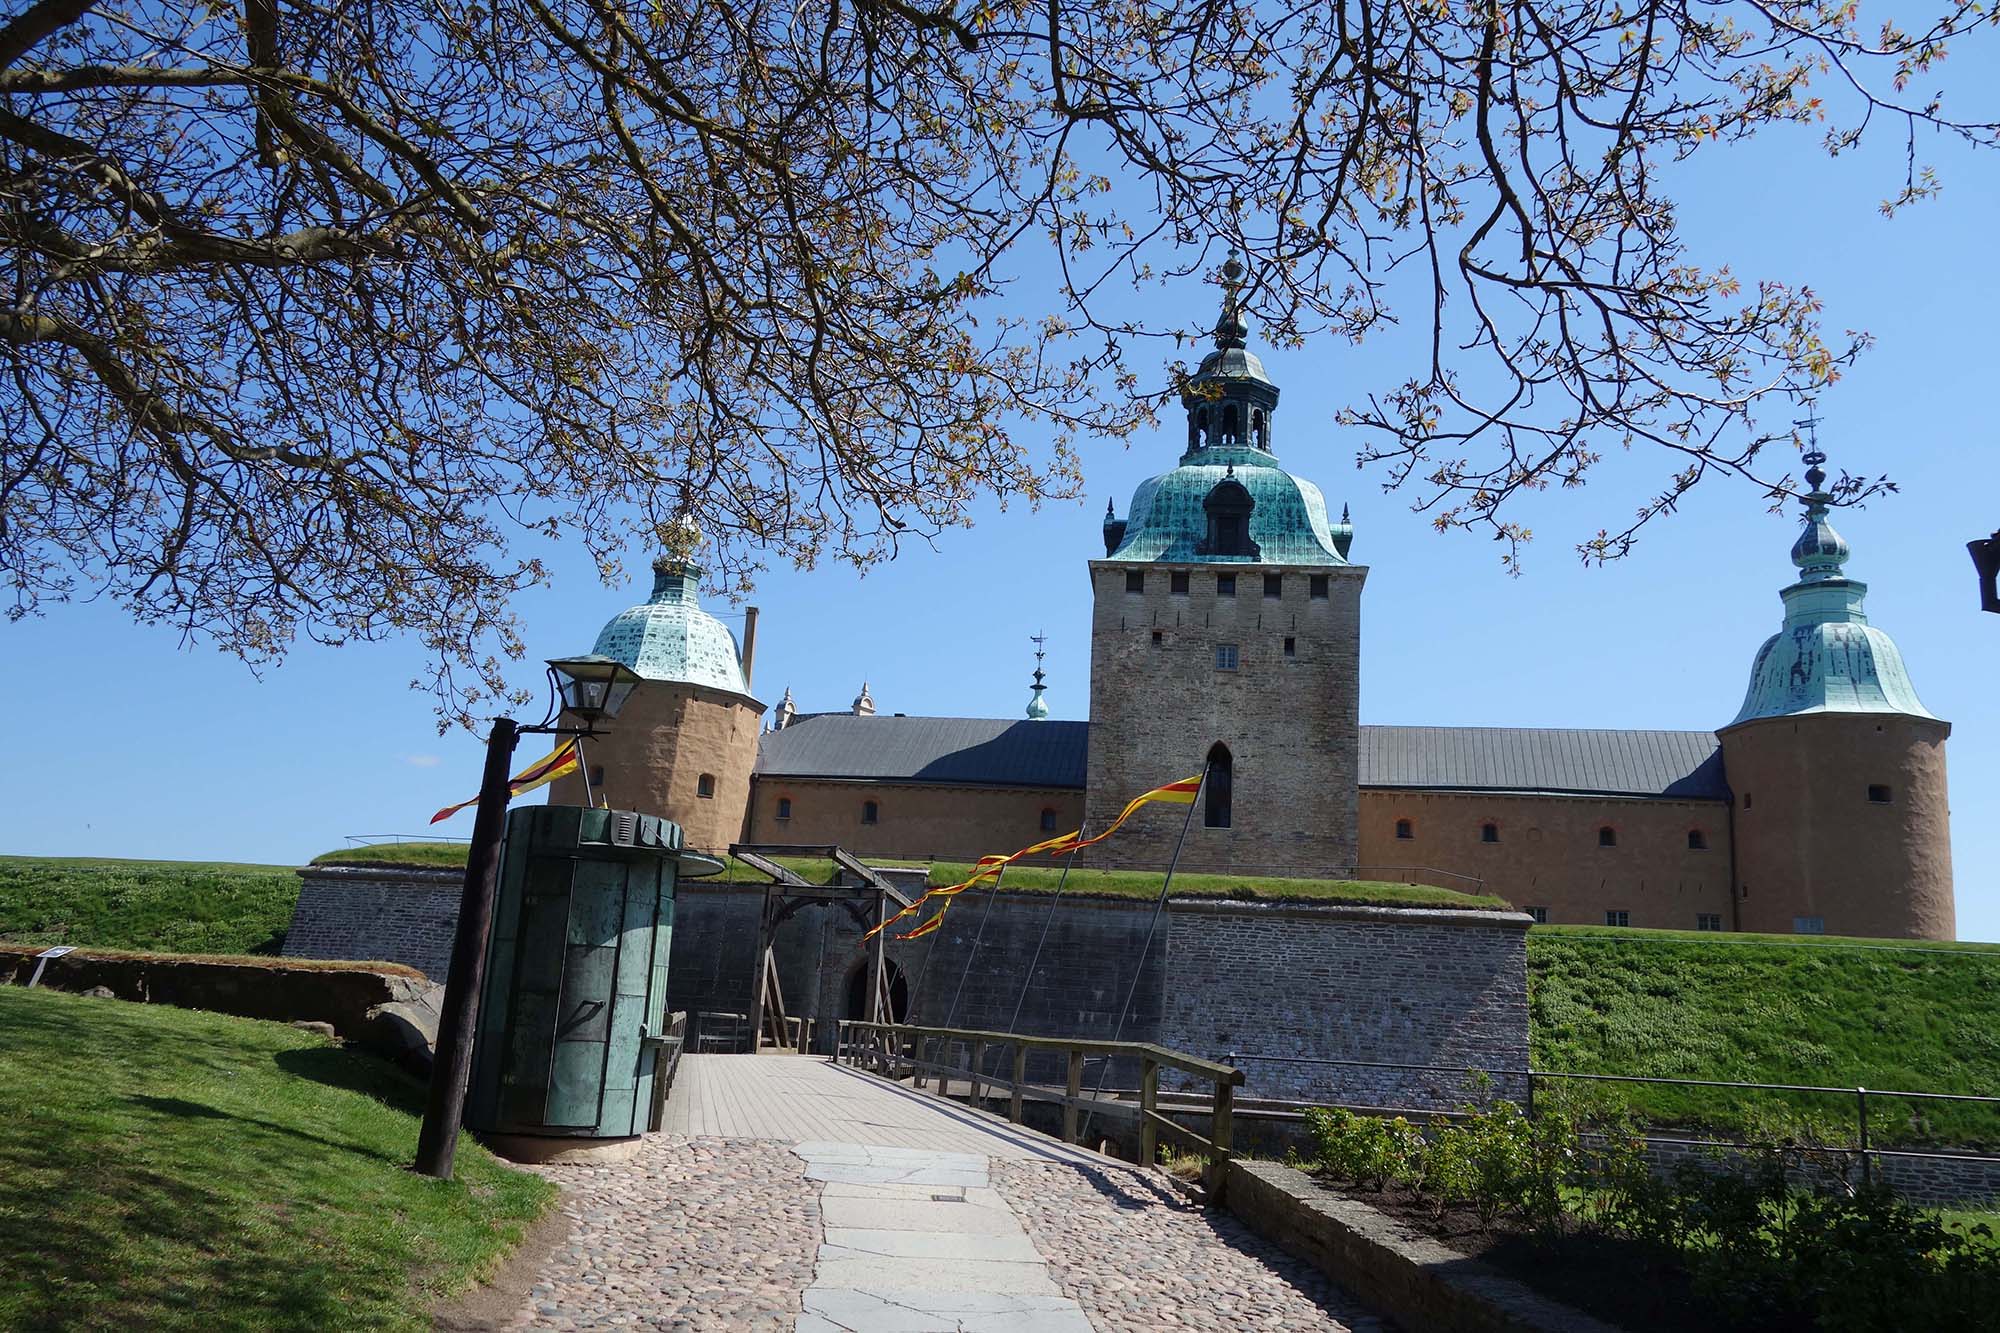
pixel 1685 764
pixel 998 752
pixel 981 751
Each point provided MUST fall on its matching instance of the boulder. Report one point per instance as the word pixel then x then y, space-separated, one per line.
pixel 404 1031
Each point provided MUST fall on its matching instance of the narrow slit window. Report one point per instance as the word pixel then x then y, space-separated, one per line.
pixel 1220 787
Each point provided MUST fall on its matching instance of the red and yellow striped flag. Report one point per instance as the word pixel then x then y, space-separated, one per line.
pixel 559 762
pixel 1064 844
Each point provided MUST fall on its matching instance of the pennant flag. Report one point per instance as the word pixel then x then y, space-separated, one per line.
pixel 1064 844
pixel 559 762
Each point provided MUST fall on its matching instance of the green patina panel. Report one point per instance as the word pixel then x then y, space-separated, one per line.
pixel 576 974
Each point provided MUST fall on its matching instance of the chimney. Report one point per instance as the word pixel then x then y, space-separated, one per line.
pixel 749 642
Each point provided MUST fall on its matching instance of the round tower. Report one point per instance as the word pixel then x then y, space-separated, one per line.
pixel 685 742
pixel 1836 769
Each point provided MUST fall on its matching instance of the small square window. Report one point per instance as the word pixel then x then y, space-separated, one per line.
pixel 1179 584
pixel 1489 833
pixel 784 807
pixel 1878 794
pixel 1607 836
pixel 1135 580
pixel 1618 918
pixel 704 786
pixel 1225 657
pixel 1697 840
pixel 871 813
pixel 1158 638
pixel 1808 925
pixel 1274 585
pixel 1319 587
pixel 1225 585
pixel 1540 914
pixel 1405 830
pixel 597 776
pixel 1291 647
pixel 1708 921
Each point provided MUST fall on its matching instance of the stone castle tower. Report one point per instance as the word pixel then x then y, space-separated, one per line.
pixel 1226 632
pixel 685 743
pixel 1836 769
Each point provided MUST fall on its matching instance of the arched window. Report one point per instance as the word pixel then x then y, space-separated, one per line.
pixel 1262 430
pixel 1048 820
pixel 1405 830
pixel 1232 425
pixel 1607 836
pixel 1697 840
pixel 704 786
pixel 1489 833
pixel 1220 787
pixel 871 813
pixel 1201 427
pixel 1228 508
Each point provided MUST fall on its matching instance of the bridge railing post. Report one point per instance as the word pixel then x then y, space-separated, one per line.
pixel 1149 1097
pixel 1075 1091
pixel 1220 1132
pixel 1020 1077
pixel 978 1057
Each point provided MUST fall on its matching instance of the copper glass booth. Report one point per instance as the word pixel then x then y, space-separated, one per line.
pixel 575 995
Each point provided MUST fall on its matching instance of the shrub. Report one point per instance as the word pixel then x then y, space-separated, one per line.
pixel 1362 1149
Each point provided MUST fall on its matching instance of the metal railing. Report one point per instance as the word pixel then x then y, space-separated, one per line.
pixel 1859 1096
pixel 379 839
pixel 894 1050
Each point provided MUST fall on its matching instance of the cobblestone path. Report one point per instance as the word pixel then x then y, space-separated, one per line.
pixel 831 1236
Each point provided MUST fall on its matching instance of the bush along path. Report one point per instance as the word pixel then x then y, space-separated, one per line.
pixel 1571 1205
pixel 171 1169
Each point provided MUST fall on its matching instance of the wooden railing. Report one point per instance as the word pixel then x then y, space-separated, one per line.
pixel 896 1049
pixel 666 1063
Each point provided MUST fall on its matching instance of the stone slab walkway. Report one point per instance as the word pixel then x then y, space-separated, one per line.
pixel 978 1227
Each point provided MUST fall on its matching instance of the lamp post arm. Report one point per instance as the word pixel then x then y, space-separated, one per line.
pixel 451 1069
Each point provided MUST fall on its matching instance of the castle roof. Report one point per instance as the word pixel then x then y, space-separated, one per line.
pixel 1827 658
pixel 669 637
pixel 975 751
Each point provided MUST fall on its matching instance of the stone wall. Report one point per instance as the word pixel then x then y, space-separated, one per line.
pixel 1158 703
pixel 369 912
pixel 1548 854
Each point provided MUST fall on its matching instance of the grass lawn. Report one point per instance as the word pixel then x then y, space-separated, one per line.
pixel 167 906
pixel 1025 878
pixel 169 1169
pixel 1840 1013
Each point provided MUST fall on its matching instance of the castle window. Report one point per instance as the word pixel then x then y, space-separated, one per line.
pixel 1540 914
pixel 704 786
pixel 1607 836
pixel 1158 638
pixel 1201 426
pixel 1232 425
pixel 1225 657
pixel 1221 780
pixel 1489 833
pixel 1746 800
pixel 1878 794
pixel 1808 925
pixel 1262 427
pixel 1048 820
pixel 1180 584
pixel 1225 585
pixel 1708 921
pixel 871 813
pixel 1135 580
pixel 1405 830
pixel 1618 917
pixel 784 807
pixel 597 777
pixel 1697 840
pixel 1319 587
pixel 1274 585
pixel 1291 647
pixel 1228 508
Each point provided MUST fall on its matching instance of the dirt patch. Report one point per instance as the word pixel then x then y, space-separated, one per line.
pixel 498 1303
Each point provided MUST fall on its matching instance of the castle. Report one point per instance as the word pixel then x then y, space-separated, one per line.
pixel 1226 601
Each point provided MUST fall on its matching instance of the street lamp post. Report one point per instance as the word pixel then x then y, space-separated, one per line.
pixel 590 689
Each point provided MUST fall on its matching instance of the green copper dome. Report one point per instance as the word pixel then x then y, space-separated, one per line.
pixel 1228 501
pixel 669 636
pixel 1827 658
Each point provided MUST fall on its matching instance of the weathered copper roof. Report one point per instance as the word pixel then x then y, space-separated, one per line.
pixel 1002 752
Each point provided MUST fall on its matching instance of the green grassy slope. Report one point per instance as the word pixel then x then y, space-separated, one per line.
pixel 1025 878
pixel 168 1169
pixel 1840 1013
pixel 169 906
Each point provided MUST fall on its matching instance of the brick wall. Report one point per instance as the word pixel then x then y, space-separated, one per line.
pixel 396 916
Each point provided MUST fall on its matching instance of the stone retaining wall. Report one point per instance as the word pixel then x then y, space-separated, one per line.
pixel 400 915
pixel 1942 1181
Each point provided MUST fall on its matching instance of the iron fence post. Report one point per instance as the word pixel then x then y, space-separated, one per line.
pixel 1861 1106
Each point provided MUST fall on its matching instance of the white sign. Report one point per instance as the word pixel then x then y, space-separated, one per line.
pixel 57 952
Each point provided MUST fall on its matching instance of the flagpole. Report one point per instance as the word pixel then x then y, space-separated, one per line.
pixel 1159 906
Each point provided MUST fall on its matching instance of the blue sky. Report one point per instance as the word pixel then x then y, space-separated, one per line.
pixel 129 744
